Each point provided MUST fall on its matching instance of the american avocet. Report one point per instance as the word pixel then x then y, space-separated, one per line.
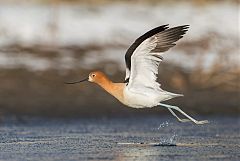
pixel 140 88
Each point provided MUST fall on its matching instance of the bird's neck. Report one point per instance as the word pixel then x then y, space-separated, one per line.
pixel 115 89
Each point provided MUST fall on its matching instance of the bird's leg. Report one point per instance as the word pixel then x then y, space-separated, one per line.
pixel 179 110
pixel 181 120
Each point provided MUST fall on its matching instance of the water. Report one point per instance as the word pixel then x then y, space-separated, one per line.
pixel 105 139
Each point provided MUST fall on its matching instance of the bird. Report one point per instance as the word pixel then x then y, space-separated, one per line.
pixel 140 88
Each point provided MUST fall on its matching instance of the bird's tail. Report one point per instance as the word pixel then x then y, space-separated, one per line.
pixel 170 95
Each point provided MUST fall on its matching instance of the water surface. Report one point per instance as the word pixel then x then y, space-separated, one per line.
pixel 104 139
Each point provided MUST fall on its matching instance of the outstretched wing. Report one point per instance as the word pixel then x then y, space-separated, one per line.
pixel 137 42
pixel 145 59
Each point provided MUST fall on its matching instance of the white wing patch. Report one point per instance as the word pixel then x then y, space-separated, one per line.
pixel 145 64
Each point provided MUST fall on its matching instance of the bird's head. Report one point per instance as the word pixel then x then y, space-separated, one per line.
pixel 95 77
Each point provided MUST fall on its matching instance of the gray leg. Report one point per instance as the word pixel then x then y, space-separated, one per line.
pixel 179 110
pixel 181 120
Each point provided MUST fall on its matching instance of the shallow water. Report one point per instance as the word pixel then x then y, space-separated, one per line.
pixel 105 139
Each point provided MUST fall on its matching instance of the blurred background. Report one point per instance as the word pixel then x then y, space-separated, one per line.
pixel 46 42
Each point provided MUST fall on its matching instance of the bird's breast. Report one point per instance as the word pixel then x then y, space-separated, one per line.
pixel 138 99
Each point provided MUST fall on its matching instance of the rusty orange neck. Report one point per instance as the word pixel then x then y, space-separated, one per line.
pixel 115 89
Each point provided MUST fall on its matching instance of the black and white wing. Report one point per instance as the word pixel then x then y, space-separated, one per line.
pixel 144 55
pixel 137 42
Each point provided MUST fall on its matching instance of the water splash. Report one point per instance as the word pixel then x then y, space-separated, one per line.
pixel 166 140
pixel 172 138
pixel 169 141
pixel 162 125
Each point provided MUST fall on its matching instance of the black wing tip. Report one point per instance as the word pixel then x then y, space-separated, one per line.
pixel 184 27
pixel 181 29
pixel 165 26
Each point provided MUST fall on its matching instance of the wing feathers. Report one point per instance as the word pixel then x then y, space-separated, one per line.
pixel 147 55
pixel 139 40
pixel 166 38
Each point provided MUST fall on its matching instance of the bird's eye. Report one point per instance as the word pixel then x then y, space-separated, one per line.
pixel 93 75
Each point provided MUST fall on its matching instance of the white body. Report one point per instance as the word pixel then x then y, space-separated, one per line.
pixel 145 97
